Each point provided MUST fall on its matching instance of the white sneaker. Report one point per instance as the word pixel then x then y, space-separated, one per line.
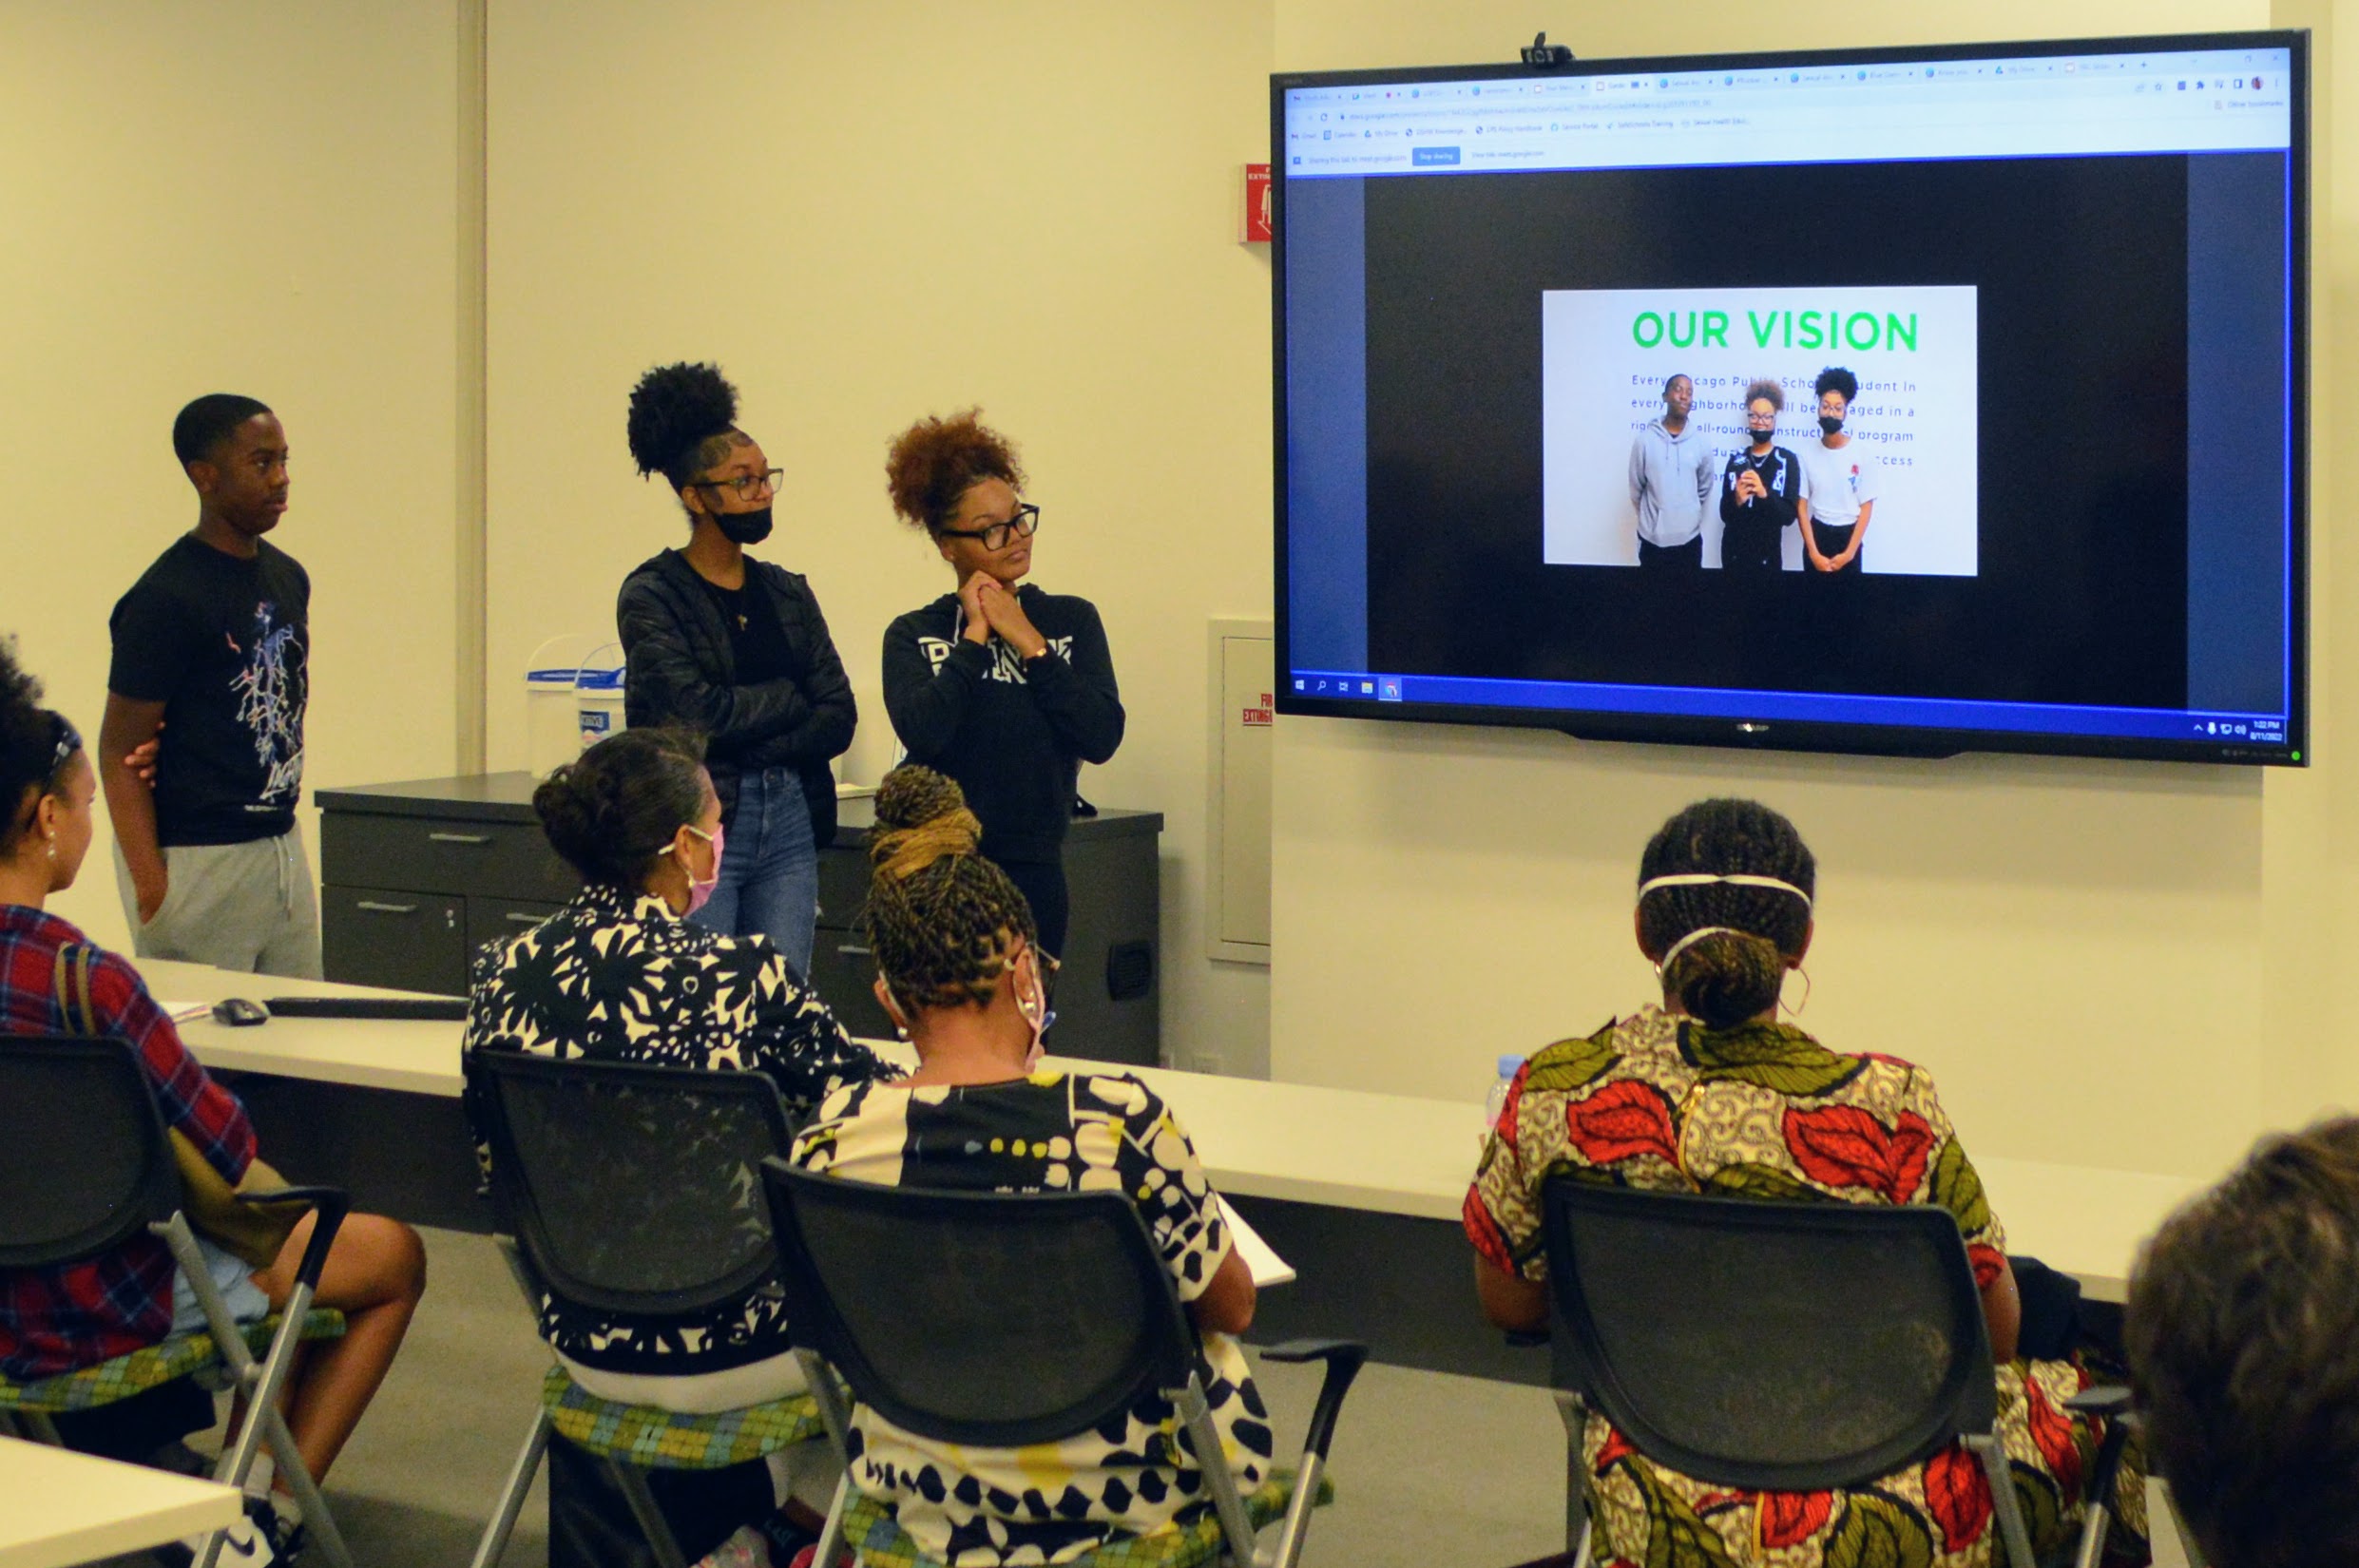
pixel 244 1545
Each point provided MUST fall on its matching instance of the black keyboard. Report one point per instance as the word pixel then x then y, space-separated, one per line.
pixel 452 1008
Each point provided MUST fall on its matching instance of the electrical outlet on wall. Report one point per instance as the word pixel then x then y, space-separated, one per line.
pixel 1204 1061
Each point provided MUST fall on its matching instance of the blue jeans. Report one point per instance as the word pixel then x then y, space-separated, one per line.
pixel 770 871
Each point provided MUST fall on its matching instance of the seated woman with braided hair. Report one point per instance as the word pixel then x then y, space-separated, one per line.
pixel 1709 1093
pixel 959 970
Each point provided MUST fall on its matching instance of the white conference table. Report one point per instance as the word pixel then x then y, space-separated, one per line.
pixel 58 1507
pixel 1342 1148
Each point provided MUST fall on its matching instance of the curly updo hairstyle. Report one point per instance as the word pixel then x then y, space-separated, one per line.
pixel 36 747
pixel 1730 976
pixel 612 810
pixel 935 461
pixel 940 918
pixel 1767 386
pixel 682 419
pixel 1835 378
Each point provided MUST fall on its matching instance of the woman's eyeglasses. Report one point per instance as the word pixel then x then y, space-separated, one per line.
pixel 995 536
pixel 747 486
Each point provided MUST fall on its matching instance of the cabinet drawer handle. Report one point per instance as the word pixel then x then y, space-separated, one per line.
pixel 849 951
pixel 515 919
pixel 458 838
pixel 375 907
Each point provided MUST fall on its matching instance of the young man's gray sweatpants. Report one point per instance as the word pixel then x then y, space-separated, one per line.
pixel 247 906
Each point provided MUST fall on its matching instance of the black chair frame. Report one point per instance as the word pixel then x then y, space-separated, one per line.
pixel 1159 1358
pixel 1962 1406
pixel 540 1265
pixel 143 1197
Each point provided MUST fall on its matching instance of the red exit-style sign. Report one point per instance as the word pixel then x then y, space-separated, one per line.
pixel 1254 220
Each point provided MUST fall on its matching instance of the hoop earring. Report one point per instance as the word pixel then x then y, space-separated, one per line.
pixel 1795 1011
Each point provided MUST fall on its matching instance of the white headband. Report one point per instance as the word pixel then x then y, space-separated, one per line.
pixel 1697 935
pixel 1703 879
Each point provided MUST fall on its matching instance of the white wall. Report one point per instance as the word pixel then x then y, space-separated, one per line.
pixel 248 197
pixel 865 214
pixel 2122 965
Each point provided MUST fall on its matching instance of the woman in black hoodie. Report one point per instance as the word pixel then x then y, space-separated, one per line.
pixel 737 650
pixel 1007 690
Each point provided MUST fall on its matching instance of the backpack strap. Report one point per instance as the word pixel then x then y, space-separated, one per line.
pixel 70 983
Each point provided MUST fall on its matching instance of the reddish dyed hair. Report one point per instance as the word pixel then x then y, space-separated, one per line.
pixel 937 460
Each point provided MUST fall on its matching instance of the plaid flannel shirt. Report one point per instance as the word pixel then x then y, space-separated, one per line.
pixel 55 1320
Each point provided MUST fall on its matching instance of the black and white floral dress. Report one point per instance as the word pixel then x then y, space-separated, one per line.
pixel 617 977
pixel 1059 1132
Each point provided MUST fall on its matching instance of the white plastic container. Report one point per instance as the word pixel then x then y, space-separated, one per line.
pixel 552 717
pixel 598 695
pixel 1496 1100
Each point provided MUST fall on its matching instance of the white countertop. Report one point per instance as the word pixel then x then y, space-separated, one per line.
pixel 58 1507
pixel 1390 1153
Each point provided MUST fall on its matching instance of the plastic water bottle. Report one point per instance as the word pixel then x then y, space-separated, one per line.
pixel 1497 1101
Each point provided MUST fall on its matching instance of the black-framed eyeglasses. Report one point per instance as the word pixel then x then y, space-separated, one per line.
pixel 995 536
pixel 747 486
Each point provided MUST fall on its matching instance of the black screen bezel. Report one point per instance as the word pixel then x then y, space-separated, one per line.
pixel 1858 739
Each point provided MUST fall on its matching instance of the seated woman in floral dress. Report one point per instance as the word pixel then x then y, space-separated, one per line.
pixel 960 970
pixel 1710 1094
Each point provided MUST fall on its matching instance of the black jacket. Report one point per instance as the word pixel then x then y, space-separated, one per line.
pixel 680 670
pixel 1013 735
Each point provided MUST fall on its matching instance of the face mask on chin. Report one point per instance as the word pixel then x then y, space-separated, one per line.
pixel 744 527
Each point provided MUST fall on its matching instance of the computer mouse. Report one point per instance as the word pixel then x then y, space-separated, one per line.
pixel 238 1010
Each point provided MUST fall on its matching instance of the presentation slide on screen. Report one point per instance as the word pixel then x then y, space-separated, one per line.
pixel 1607 352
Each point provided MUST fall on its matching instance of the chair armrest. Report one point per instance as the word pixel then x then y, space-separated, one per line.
pixel 2107 1399
pixel 329 1205
pixel 1344 1358
pixel 2112 1403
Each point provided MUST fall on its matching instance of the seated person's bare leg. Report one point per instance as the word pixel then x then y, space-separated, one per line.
pixel 374 1274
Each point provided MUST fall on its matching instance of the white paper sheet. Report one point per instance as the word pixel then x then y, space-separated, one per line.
pixel 1267 1268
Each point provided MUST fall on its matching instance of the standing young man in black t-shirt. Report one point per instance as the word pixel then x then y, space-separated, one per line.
pixel 212 660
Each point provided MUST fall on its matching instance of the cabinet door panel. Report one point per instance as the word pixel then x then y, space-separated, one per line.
pixel 844 975
pixel 843 888
pixel 442 855
pixel 377 936
pixel 495 919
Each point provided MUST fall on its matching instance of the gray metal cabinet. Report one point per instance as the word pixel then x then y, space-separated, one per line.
pixel 416 876
pixel 419 875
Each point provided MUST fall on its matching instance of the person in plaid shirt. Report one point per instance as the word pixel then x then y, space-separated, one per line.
pixel 60 1319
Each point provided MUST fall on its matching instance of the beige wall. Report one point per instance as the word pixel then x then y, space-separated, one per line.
pixel 869 213
pixel 250 198
pixel 2109 963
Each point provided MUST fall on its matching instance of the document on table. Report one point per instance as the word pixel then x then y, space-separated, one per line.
pixel 1266 1266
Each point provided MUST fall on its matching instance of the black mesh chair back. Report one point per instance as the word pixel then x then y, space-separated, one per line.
pixel 1787 1347
pixel 85 1163
pixel 991 1319
pixel 628 1188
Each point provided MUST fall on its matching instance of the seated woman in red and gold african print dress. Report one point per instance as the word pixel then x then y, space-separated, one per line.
pixel 1709 1093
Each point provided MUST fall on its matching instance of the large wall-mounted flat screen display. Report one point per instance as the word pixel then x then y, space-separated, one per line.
pixel 1913 401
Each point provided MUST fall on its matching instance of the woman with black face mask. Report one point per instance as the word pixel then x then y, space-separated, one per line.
pixel 736 649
